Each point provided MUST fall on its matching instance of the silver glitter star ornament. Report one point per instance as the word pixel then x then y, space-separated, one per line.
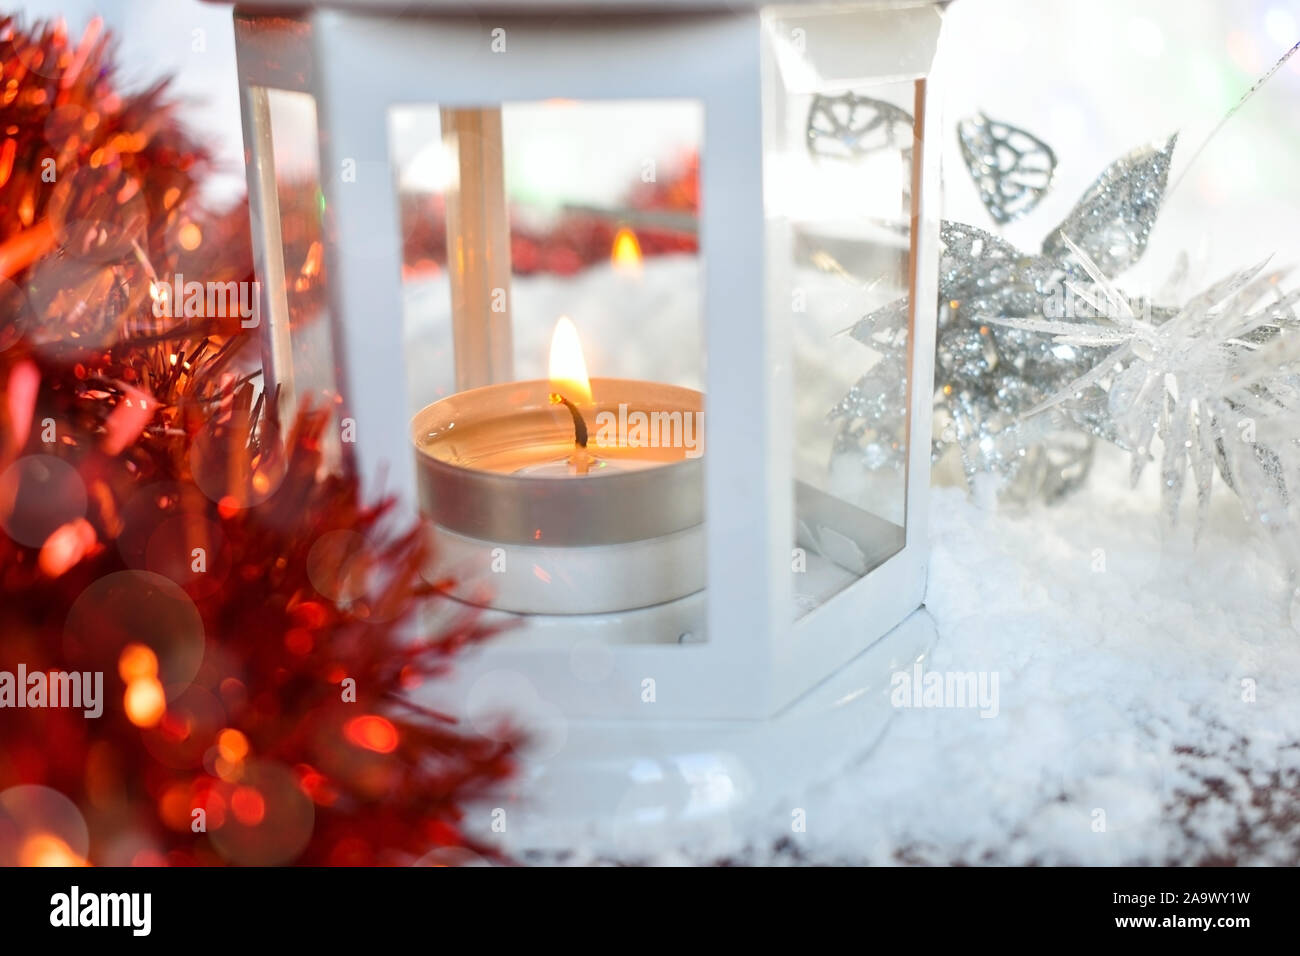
pixel 1216 381
pixel 989 375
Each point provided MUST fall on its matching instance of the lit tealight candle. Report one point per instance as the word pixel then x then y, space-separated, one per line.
pixel 596 486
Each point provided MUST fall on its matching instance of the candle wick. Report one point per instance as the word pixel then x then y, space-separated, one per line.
pixel 579 425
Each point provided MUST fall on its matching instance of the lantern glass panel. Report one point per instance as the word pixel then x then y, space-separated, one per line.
pixel 602 207
pixel 513 216
pixel 838 189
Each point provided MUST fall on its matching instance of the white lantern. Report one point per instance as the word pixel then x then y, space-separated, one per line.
pixel 671 593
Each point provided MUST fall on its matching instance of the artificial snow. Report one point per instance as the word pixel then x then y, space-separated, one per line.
pixel 1147 710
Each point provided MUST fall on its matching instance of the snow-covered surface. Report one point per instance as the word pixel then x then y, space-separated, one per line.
pixel 1126 666
pixel 1123 665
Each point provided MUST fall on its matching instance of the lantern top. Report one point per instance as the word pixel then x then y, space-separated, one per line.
pixel 471 7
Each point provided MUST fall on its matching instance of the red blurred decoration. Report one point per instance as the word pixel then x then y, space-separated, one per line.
pixel 97 211
pixel 578 240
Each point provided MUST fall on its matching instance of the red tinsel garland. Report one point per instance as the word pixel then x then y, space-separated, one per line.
pixel 247 609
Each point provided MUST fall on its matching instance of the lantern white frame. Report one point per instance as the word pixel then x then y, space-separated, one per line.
pixel 358 63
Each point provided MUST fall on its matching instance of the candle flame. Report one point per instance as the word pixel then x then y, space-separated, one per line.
pixel 626 253
pixel 568 370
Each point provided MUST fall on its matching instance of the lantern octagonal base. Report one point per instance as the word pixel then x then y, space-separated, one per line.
pixel 634 789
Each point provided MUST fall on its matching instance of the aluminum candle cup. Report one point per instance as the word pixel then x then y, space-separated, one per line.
pixel 522 528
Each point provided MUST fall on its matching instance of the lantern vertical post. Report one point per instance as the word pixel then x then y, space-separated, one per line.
pixel 924 291
pixel 748 471
pixel 268 251
pixel 478 248
pixel 363 253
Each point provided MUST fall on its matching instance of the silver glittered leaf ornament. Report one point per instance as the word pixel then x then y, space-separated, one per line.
pixel 986 376
pixel 1113 220
pixel 1012 168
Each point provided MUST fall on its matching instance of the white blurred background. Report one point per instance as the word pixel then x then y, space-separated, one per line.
pixel 1097 79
